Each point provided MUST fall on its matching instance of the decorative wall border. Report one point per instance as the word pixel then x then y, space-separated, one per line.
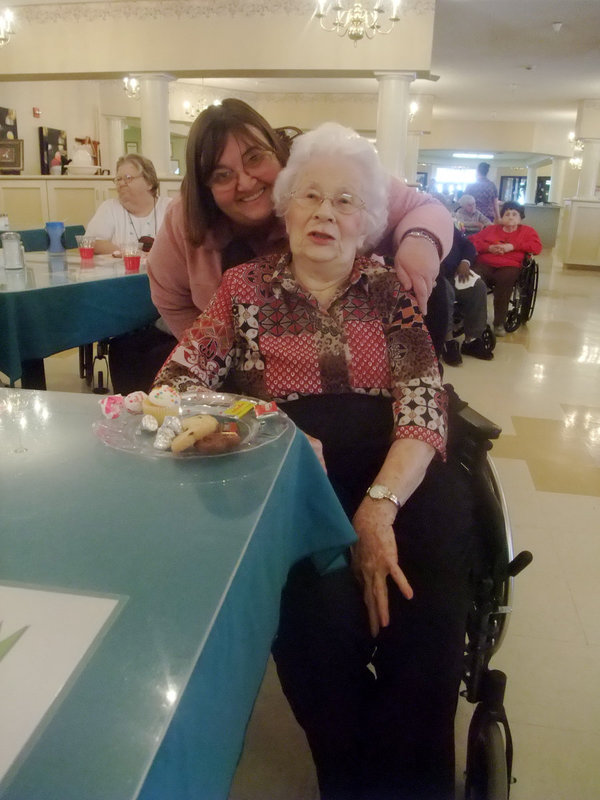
pixel 159 9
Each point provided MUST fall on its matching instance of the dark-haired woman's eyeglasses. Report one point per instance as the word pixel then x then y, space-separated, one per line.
pixel 252 161
pixel 146 242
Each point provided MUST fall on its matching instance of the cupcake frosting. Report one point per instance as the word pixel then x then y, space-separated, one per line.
pixel 165 397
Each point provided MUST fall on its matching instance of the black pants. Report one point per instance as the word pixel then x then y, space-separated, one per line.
pixel 389 737
pixel 135 358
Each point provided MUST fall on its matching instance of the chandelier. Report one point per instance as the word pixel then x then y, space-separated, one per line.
pixel 193 110
pixel 357 20
pixel 131 87
pixel 6 26
pixel 576 161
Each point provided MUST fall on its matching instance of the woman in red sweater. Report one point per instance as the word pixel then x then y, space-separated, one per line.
pixel 500 253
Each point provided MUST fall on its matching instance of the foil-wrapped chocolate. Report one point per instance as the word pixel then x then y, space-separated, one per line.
pixel 163 439
pixel 172 424
pixel 149 423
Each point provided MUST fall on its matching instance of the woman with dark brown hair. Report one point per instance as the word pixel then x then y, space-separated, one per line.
pixel 225 216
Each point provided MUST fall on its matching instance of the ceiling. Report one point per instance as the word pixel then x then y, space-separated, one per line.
pixel 497 60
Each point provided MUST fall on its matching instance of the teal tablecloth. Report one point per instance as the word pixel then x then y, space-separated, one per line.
pixel 197 550
pixel 45 309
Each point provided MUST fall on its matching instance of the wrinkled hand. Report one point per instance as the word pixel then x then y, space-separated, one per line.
pixel 500 249
pixel 317 446
pixel 374 557
pixel 417 266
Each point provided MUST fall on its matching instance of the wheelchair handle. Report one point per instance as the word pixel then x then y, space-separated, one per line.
pixel 519 563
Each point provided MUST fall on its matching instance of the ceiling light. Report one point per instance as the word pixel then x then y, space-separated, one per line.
pixel 6 26
pixel 472 155
pixel 356 20
pixel 131 87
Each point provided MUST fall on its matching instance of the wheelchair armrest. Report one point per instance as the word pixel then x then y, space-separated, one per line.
pixel 477 425
pixel 469 432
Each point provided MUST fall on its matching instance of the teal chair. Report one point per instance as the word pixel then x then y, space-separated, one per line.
pixel 68 238
pixel 35 239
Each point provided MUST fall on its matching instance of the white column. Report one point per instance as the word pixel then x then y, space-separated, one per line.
pixel 412 157
pixel 590 163
pixel 156 143
pixel 557 179
pixel 392 119
pixel 116 142
pixel 531 184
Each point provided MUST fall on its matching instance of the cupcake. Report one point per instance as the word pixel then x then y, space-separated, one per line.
pixel 162 402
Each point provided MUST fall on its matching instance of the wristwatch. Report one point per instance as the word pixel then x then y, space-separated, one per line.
pixel 380 492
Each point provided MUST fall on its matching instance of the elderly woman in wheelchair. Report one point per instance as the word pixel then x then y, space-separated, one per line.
pixel 370 652
pixel 501 253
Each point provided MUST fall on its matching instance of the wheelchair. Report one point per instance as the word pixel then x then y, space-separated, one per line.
pixel 489 745
pixel 524 293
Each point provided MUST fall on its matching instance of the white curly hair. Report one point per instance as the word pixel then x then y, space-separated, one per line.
pixel 332 140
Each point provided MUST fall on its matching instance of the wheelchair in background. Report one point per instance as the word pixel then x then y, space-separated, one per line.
pixel 524 293
pixel 489 746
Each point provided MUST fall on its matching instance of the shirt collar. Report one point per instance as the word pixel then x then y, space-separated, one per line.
pixel 282 278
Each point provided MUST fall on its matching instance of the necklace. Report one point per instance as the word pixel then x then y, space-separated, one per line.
pixel 133 226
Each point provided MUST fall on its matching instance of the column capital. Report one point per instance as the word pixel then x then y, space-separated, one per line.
pixel 405 76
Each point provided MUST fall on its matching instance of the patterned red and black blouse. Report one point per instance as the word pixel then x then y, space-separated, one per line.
pixel 269 335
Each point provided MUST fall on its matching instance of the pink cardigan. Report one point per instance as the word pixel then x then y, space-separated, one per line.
pixel 183 278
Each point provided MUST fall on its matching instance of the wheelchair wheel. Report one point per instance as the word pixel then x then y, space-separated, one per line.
pixel 487 776
pixel 529 291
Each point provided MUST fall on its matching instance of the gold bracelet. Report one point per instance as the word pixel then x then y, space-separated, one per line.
pixel 421 233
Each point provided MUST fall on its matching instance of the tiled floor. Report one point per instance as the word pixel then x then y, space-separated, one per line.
pixel 543 388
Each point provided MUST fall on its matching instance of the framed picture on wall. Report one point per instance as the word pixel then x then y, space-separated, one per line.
pixel 131 147
pixel 8 124
pixel 11 156
pixel 53 148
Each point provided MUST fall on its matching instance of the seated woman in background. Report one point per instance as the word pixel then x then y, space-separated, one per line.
pixel 501 250
pixel 369 655
pixel 469 218
pixel 136 215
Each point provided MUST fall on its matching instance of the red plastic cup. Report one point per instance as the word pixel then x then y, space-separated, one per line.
pixel 132 263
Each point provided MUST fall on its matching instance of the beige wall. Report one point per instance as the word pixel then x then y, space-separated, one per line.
pixel 203 37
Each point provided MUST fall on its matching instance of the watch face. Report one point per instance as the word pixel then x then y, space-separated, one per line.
pixel 377 492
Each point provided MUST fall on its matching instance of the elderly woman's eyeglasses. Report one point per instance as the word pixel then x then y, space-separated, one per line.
pixel 342 202
pixel 124 179
pixel 252 161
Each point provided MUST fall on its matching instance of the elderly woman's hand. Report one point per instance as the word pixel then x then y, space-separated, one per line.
pixel 417 265
pixel 374 557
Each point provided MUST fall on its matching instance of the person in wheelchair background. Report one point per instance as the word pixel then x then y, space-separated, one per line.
pixel 467 215
pixel 501 250
pixel 467 294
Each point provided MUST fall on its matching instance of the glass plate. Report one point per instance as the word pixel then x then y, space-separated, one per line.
pixel 125 433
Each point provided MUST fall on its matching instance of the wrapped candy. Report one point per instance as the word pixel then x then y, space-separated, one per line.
pixel 172 424
pixel 133 402
pixel 164 437
pixel 112 405
pixel 149 423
